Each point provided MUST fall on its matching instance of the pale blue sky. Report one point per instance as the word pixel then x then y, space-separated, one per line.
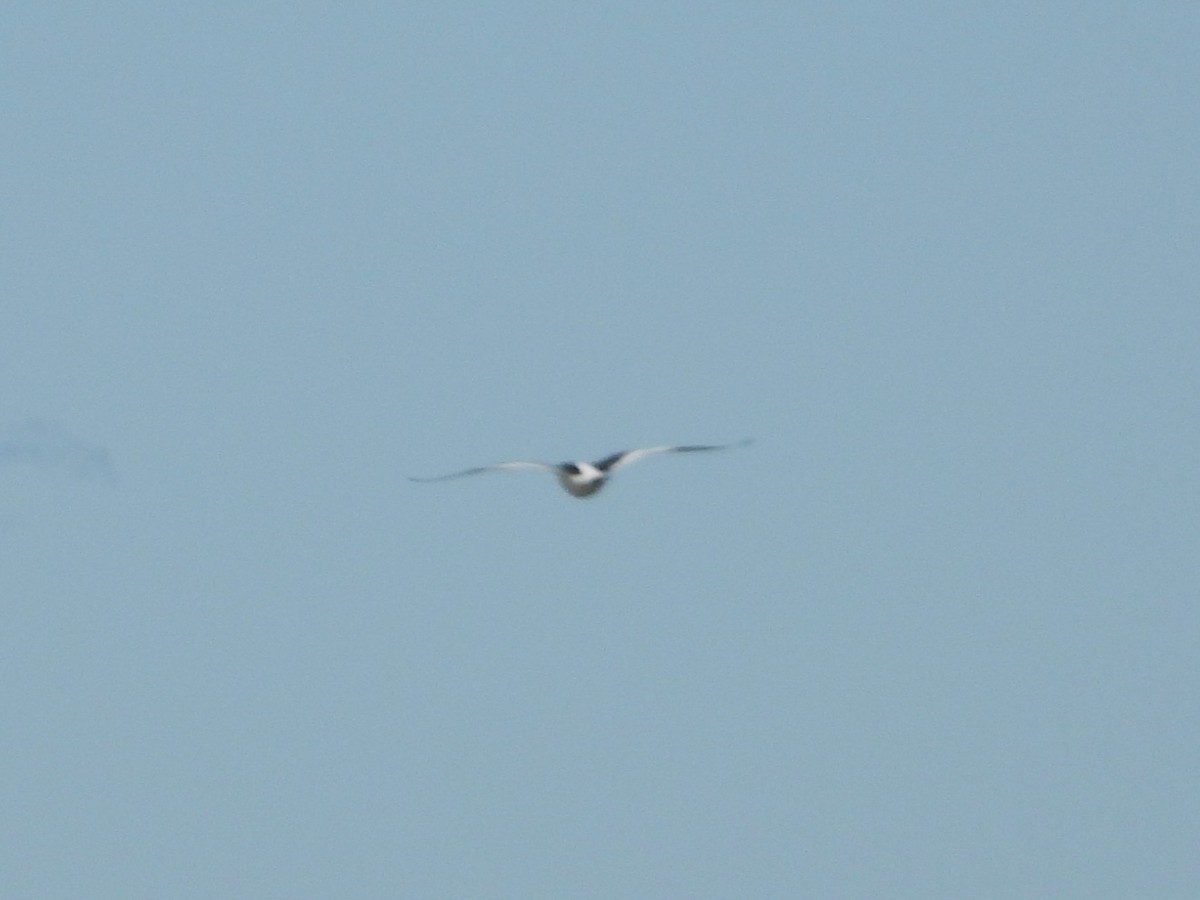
pixel 934 635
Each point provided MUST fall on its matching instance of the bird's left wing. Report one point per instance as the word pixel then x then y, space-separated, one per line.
pixel 625 457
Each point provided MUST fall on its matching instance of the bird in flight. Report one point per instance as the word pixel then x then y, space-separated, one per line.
pixel 582 479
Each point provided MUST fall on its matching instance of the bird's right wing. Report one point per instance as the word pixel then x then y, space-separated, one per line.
pixel 515 464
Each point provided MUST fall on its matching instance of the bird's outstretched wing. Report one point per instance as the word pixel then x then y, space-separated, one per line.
pixel 625 457
pixel 515 464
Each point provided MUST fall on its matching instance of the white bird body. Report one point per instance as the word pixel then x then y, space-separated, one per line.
pixel 583 479
pixel 580 479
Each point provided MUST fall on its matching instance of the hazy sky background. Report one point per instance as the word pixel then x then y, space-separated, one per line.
pixel 934 634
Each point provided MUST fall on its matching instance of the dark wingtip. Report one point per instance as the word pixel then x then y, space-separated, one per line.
pixel 744 442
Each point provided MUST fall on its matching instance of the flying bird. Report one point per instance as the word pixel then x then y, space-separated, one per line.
pixel 582 479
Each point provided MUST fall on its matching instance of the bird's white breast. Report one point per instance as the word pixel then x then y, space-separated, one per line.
pixel 583 483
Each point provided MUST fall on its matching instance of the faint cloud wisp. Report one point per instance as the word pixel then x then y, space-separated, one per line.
pixel 34 442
